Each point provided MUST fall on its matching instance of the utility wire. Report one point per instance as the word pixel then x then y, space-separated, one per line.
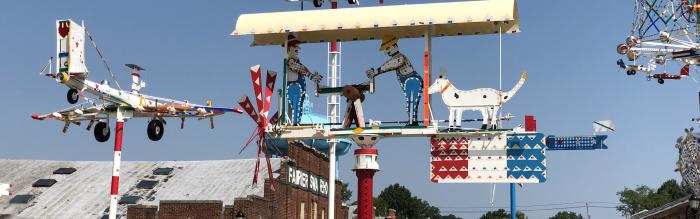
pixel 104 61
pixel 533 209
pixel 535 205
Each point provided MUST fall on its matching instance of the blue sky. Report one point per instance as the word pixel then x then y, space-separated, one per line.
pixel 567 48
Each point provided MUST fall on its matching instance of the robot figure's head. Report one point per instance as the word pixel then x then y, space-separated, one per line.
pixel 389 45
pixel 391 50
pixel 292 46
pixel 293 51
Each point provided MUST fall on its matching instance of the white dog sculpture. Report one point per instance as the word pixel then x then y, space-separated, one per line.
pixel 486 100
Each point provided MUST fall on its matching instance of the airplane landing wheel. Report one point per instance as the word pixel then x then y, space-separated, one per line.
pixel 72 96
pixel 631 72
pixel 318 3
pixel 101 132
pixel 155 129
pixel 661 81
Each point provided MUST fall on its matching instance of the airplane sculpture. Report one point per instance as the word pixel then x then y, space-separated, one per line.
pixel 649 70
pixel 664 31
pixel 72 72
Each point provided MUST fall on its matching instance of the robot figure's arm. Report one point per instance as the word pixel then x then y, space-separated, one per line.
pixel 296 66
pixel 392 64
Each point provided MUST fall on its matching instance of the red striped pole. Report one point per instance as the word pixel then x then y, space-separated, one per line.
pixel 365 167
pixel 116 168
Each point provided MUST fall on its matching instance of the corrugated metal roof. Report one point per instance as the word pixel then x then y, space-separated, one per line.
pixel 652 213
pixel 85 193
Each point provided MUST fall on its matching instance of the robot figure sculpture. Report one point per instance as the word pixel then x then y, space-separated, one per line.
pixel 411 82
pixel 296 81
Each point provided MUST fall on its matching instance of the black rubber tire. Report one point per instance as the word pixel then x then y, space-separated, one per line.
pixel 72 96
pixel 318 3
pixel 632 72
pixel 155 130
pixel 101 132
pixel 661 81
pixel 352 2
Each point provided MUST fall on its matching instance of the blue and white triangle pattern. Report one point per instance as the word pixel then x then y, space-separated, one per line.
pixel 526 157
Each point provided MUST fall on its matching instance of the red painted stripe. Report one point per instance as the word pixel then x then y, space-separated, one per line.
pixel 366 151
pixel 115 185
pixel 118 136
pixel 426 81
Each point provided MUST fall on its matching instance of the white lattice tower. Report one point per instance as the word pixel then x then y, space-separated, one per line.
pixel 333 80
pixel 333 115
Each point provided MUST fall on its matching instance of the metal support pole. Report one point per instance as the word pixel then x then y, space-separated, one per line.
pixel 364 192
pixel 331 180
pixel 283 96
pixel 587 214
pixel 116 166
pixel 332 114
pixel 500 59
pixel 365 167
pixel 427 65
pixel 513 212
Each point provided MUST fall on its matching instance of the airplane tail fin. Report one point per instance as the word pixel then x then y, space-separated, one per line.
pixel 508 95
pixel 621 64
pixel 70 50
pixel 685 71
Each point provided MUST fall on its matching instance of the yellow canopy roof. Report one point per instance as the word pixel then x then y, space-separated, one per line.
pixel 373 23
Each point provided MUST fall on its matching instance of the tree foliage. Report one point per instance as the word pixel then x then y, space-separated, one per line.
pixel 644 198
pixel 345 193
pixel 406 205
pixel 502 214
pixel 566 215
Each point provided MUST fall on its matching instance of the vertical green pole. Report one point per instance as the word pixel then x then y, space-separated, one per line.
pixel 283 97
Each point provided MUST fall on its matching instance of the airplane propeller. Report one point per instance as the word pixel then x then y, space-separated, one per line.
pixel 260 117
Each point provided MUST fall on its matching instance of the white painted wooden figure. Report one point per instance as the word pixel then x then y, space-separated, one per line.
pixel 486 100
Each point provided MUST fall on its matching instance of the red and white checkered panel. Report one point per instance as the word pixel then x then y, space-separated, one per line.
pixel 485 158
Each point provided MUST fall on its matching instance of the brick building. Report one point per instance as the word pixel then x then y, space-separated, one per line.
pixel 172 189
pixel 298 193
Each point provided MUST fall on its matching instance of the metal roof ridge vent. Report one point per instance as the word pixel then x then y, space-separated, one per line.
pixel 129 199
pixel 164 171
pixel 21 199
pixel 147 184
pixel 64 170
pixel 44 183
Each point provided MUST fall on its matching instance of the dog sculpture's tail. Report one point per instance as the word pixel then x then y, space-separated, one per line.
pixel 508 95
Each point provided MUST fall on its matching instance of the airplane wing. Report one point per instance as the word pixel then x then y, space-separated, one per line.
pixel 75 114
pixel 176 108
pixel 220 109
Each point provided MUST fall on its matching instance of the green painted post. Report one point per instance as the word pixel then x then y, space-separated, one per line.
pixel 283 106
